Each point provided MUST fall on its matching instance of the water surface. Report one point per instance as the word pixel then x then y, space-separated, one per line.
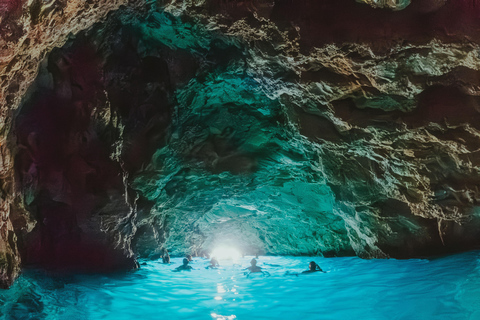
pixel 352 288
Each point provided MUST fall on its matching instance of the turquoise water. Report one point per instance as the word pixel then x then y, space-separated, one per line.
pixel 352 288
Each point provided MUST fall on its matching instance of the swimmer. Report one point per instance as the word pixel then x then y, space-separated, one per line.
pixel 213 264
pixel 166 256
pixel 313 267
pixel 184 267
pixel 254 268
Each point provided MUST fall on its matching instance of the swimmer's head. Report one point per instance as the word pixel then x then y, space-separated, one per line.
pixel 185 261
pixel 312 266
pixel 253 262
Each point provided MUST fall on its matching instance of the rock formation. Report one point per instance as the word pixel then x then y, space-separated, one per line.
pixel 391 4
pixel 29 31
pixel 282 127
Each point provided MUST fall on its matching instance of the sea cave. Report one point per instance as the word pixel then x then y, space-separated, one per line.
pixel 345 132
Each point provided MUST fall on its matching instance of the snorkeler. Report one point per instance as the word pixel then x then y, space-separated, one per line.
pixel 185 266
pixel 213 264
pixel 313 267
pixel 166 256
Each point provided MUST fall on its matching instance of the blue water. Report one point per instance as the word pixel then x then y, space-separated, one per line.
pixel 352 288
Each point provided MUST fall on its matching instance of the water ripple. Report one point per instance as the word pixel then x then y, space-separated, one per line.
pixel 446 288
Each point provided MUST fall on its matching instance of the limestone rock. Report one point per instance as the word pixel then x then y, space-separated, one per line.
pixel 312 127
pixel 29 30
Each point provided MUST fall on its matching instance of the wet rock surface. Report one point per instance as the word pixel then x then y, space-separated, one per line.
pixel 283 127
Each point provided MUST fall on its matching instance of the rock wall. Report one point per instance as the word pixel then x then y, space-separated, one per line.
pixel 29 30
pixel 331 128
pixel 283 127
pixel 391 4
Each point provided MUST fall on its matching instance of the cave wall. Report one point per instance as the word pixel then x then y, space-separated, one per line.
pixel 288 127
pixel 29 30
pixel 95 114
pixel 332 128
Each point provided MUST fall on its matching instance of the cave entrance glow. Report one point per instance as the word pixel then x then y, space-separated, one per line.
pixel 226 253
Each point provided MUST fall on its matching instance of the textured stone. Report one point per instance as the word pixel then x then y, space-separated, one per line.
pixel 390 4
pixel 29 31
pixel 284 127
pixel 369 113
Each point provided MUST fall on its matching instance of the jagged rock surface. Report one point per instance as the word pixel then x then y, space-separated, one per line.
pixel 391 4
pixel 307 142
pixel 29 30
pixel 284 127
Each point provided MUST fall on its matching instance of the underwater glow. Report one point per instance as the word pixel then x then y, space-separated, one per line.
pixel 226 253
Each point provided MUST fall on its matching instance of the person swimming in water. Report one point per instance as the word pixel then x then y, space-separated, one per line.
pixel 166 256
pixel 184 267
pixel 213 264
pixel 313 267
pixel 254 268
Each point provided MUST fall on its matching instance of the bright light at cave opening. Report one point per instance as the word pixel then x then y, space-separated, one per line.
pixel 224 253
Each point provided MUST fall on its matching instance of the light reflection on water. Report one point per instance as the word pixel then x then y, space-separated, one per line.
pixel 445 288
